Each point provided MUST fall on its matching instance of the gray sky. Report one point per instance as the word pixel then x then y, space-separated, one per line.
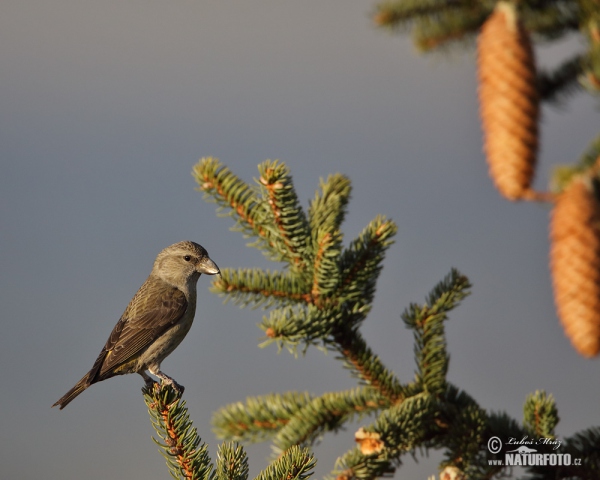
pixel 104 109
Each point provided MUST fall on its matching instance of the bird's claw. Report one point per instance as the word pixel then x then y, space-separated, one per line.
pixel 178 388
pixel 150 382
pixel 150 385
pixel 166 380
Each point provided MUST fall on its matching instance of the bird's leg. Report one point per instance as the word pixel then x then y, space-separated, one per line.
pixel 167 380
pixel 148 379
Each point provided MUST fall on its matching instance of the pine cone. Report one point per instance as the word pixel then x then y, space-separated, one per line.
pixel 509 103
pixel 575 264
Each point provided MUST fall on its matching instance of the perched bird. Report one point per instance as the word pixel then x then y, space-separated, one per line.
pixel 155 322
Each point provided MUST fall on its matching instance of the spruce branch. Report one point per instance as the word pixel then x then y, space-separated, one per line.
pixel 426 321
pixel 220 185
pixel 257 215
pixel 405 426
pixel 550 20
pixel 398 430
pixel 322 299
pixel 293 327
pixel 588 165
pixel 326 272
pixel 294 464
pixel 464 425
pixel 367 366
pixel 232 462
pixel 258 418
pixel 435 23
pixel 557 85
pixel 361 262
pixel 454 25
pixel 261 288
pixel 354 465
pixel 327 413
pixel 590 21
pixel 188 459
pixel 583 451
pixel 289 236
pixel 398 15
pixel 328 209
pixel 178 440
pixel 584 445
pixel 325 215
pixel 540 414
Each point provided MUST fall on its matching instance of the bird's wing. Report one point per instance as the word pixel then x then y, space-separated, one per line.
pixel 155 308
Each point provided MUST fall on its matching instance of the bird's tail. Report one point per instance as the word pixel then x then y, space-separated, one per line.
pixel 76 390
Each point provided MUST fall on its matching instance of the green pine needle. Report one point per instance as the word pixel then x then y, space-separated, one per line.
pixel 540 415
pixel 232 462
pixel 294 464
pixel 178 440
pixel 327 413
pixel 426 321
pixel 258 418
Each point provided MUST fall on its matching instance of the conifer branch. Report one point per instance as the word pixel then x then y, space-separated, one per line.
pixel 558 84
pixel 295 326
pixel 406 425
pixel 591 157
pixel 360 263
pixel 590 20
pixel 396 15
pixel 550 20
pixel 232 462
pixel 436 23
pixel 328 209
pixel 584 445
pixel 463 425
pixel 179 441
pixel 291 232
pixel 398 430
pixel 258 418
pixel 327 413
pixel 228 191
pixel 355 465
pixel 188 459
pixel 325 215
pixel 326 273
pixel 322 300
pixel 255 216
pixel 294 464
pixel 261 288
pixel 457 24
pixel 367 366
pixel 588 165
pixel 540 415
pixel 426 321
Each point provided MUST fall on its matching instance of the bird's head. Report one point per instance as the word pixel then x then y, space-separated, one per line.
pixel 182 263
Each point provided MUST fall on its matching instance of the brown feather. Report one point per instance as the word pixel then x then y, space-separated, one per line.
pixel 153 310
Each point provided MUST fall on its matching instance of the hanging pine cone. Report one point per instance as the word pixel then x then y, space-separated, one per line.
pixel 508 99
pixel 575 264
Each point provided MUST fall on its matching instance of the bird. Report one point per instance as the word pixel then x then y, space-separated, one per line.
pixel 155 322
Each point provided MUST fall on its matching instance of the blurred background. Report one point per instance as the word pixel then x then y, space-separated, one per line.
pixel 104 109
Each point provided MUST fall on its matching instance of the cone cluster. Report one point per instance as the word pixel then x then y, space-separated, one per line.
pixel 575 264
pixel 509 103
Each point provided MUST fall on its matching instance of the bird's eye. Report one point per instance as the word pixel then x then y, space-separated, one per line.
pixel 187 258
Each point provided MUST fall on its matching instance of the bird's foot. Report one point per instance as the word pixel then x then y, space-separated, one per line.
pixel 166 380
pixel 149 382
pixel 150 385
pixel 178 388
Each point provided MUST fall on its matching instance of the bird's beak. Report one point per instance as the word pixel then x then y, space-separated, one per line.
pixel 208 266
